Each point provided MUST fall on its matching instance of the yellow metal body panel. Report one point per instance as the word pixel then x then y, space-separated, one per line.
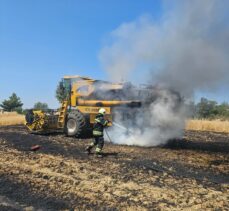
pixel 39 121
pixel 43 121
pixel 92 110
pixel 83 87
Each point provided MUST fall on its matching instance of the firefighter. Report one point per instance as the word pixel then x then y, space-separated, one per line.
pixel 100 123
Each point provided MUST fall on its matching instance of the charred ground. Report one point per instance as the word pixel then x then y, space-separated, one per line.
pixel 192 173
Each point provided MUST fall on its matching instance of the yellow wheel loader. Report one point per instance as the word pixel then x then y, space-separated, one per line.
pixel 82 97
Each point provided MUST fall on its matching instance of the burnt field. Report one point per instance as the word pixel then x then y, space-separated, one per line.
pixel 187 174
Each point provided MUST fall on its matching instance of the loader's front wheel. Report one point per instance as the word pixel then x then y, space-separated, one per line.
pixel 75 124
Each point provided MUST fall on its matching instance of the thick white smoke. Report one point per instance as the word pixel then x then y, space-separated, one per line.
pixel 186 50
pixel 153 125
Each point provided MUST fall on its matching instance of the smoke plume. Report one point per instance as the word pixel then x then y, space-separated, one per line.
pixel 187 50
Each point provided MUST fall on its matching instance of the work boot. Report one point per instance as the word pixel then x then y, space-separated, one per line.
pixel 98 152
pixel 88 150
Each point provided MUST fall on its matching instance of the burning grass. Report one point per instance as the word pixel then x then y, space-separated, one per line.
pixel 11 118
pixel 208 125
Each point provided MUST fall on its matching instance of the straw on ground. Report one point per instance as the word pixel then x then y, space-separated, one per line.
pixel 11 118
pixel 208 125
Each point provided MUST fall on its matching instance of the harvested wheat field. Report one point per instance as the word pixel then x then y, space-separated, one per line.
pixel 208 125
pixel 11 118
pixel 187 174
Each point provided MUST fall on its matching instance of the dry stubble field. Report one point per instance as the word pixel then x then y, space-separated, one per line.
pixel 208 125
pixel 11 118
pixel 187 174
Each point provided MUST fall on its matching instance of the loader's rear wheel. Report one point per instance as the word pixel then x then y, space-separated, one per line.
pixel 75 124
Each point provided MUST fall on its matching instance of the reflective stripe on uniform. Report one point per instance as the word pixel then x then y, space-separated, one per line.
pixel 97 120
pixel 104 123
pixel 98 150
pixel 97 133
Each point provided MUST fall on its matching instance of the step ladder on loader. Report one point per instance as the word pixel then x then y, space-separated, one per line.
pixel 63 112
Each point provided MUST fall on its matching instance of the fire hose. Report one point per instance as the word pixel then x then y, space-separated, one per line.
pixel 119 126
pixel 109 138
pixel 122 127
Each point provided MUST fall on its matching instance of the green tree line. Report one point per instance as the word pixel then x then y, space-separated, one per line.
pixel 210 109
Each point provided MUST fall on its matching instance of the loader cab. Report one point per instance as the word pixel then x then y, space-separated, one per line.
pixel 79 87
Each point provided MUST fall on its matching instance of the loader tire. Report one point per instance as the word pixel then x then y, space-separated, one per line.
pixel 75 124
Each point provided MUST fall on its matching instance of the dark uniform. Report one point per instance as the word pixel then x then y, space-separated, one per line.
pixel 100 123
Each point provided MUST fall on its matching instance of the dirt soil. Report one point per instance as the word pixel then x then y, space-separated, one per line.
pixel 187 174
